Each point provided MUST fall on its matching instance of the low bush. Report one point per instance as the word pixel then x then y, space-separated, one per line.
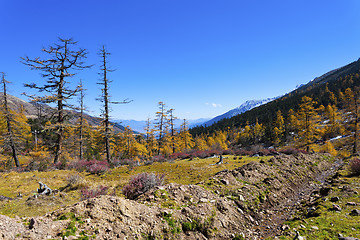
pixel 92 166
pixel 142 183
pixel 354 166
pixel 290 151
pixel 75 181
pixel 87 193
pixel 158 158
pixel 179 155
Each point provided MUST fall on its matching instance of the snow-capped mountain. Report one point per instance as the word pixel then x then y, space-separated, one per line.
pixel 246 106
pixel 139 126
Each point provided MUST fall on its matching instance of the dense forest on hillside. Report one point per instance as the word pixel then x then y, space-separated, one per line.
pixel 335 90
pixel 306 118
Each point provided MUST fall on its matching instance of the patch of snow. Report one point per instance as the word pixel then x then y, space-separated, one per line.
pixel 335 138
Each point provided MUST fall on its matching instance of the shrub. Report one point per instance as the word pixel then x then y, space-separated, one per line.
pixel 355 166
pixel 92 166
pixel 158 158
pixel 142 183
pixel 87 193
pixel 228 152
pixel 179 155
pixel 290 151
pixel 75 181
pixel 121 162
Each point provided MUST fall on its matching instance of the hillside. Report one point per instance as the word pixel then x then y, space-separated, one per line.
pixel 252 201
pixel 34 110
pixel 139 126
pixel 246 106
pixel 335 81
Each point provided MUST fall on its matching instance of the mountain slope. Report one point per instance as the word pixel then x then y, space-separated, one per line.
pixel 246 106
pixel 34 110
pixel 320 89
pixel 139 126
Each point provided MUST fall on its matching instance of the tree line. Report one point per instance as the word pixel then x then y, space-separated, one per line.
pixel 305 119
pixel 55 135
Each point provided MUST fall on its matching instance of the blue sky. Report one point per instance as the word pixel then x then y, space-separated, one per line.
pixel 200 57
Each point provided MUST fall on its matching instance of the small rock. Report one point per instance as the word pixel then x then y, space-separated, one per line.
pixel 241 198
pixel 250 218
pixel 355 212
pixel 302 226
pixel 315 227
pixel 224 181
pixel 351 203
pixel 334 199
pixel 297 236
pixel 336 208
pixel 32 223
pixel 203 200
pixel 150 198
pixel 341 237
pixel 325 191
pixel 285 227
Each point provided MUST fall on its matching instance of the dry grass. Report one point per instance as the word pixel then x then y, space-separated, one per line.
pixel 180 171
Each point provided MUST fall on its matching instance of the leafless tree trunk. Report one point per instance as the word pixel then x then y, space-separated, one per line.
pixel 9 121
pixel 105 99
pixel 81 125
pixel 160 124
pixel 171 123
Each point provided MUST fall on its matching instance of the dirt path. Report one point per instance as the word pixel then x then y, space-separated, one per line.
pixel 276 216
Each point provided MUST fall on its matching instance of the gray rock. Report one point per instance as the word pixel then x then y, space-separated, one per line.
pixel 297 236
pixel 336 207
pixel 355 212
pixel 285 227
pixel 351 203
pixel 341 237
pixel 334 199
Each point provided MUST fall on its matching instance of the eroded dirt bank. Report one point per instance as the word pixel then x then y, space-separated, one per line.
pixel 251 202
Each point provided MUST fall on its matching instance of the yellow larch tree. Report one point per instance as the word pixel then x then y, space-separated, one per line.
pixel 308 122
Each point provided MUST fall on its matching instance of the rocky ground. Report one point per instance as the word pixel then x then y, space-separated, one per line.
pixel 250 202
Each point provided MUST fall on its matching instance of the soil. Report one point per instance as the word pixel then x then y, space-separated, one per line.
pixel 250 202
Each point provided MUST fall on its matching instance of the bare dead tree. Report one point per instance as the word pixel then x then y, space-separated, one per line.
pixel 160 124
pixel 9 120
pixel 171 119
pixel 105 99
pixel 81 124
pixel 60 63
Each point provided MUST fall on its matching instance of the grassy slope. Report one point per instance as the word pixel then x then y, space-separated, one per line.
pixel 330 223
pixel 180 171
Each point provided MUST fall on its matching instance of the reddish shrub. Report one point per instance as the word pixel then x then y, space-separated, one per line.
pixel 228 152
pixel 158 158
pixel 91 193
pixel 92 166
pixel 290 151
pixel 264 152
pixel 179 155
pixel 355 166
pixel 200 154
pixel 142 183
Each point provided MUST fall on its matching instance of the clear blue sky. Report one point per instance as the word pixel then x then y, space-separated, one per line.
pixel 201 57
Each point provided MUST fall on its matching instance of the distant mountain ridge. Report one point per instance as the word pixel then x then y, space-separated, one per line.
pixel 33 110
pixel 246 106
pixel 335 81
pixel 139 125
